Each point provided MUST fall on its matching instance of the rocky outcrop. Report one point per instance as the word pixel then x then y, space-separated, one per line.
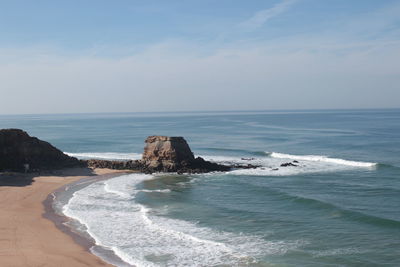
pixel 164 154
pixel 116 165
pixel 288 164
pixel 21 152
pixel 173 154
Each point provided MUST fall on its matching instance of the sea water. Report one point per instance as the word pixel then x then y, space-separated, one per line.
pixel 340 206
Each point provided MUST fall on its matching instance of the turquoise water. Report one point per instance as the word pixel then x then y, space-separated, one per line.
pixel 339 207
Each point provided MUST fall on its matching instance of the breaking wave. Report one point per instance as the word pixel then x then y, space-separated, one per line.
pixel 269 162
pixel 322 159
pixel 139 236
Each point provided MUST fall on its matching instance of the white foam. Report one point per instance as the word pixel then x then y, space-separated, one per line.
pixel 141 237
pixel 156 190
pixel 228 159
pixel 279 171
pixel 271 165
pixel 105 155
pixel 117 191
pixel 338 251
pixel 323 159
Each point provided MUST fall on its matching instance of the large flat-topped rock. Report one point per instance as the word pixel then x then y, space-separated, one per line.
pixel 167 153
pixel 21 152
pixel 167 148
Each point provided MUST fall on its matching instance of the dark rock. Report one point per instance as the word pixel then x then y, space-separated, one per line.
pixel 247 158
pixel 200 165
pixel 116 165
pixel 295 161
pixel 244 166
pixel 287 164
pixel 21 152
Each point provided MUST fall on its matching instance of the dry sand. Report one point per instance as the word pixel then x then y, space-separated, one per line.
pixel 29 239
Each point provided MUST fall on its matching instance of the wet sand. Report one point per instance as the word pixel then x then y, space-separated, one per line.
pixel 27 238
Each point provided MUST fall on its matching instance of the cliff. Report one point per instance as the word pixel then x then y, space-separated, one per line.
pixel 21 152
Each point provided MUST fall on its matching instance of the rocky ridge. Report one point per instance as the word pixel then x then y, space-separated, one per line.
pixel 22 153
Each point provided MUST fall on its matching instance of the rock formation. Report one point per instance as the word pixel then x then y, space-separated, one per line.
pixel 165 154
pixel 287 164
pixel 173 154
pixel 21 152
pixel 116 165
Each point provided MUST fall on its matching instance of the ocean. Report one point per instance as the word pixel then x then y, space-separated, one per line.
pixel 339 207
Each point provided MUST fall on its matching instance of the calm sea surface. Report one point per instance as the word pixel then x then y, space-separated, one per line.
pixel 339 207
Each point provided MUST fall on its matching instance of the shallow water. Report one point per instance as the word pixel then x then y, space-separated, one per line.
pixel 339 206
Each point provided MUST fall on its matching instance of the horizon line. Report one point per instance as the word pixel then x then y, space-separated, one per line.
pixel 203 111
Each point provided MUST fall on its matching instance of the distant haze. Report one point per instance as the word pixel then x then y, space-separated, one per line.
pixel 128 56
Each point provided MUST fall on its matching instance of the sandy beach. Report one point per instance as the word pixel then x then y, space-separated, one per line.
pixel 29 239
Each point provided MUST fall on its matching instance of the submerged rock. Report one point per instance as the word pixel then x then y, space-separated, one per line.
pixel 21 152
pixel 247 158
pixel 287 164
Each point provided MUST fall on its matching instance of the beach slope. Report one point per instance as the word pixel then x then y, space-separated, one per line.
pixel 29 239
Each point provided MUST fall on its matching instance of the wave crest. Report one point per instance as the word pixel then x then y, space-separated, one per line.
pixel 139 236
pixel 105 155
pixel 322 159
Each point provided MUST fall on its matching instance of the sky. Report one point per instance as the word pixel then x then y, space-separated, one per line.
pixel 206 55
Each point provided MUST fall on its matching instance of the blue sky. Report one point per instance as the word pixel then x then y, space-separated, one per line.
pixel 130 55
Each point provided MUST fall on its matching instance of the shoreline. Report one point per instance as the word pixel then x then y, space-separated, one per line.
pixel 70 226
pixel 32 233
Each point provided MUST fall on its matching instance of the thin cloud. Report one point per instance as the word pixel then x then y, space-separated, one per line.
pixel 336 68
pixel 262 16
